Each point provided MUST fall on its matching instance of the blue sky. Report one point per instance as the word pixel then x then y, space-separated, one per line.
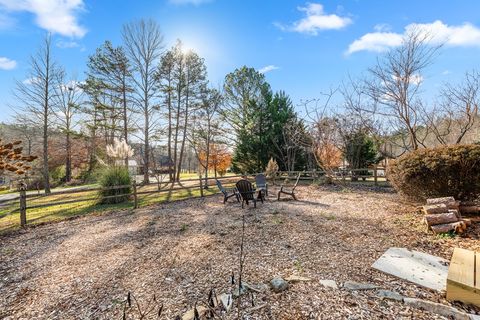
pixel 304 48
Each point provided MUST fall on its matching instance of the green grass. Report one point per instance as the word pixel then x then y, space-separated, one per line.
pixel 11 221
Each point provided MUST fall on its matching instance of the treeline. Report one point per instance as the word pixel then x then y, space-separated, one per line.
pixel 160 102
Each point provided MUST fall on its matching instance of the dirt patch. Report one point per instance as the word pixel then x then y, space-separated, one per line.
pixel 179 251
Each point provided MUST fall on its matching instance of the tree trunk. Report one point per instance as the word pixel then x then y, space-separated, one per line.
pixel 442 218
pixel 68 162
pixel 445 200
pixel 458 227
pixel 125 118
pixel 146 160
pixel 185 123
pixel 435 208
pixel 469 209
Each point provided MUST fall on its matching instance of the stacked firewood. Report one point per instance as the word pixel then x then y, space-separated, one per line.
pixel 445 214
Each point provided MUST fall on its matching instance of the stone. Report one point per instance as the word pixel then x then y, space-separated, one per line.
pixel 278 284
pixel 242 291
pixel 329 284
pixel 437 308
pixel 226 300
pixel 294 279
pixel 390 295
pixel 414 266
pixel 190 314
pixel 352 285
pixel 259 288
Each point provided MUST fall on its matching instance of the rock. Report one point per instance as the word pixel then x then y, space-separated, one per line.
pixel 294 279
pixel 391 295
pixel 329 284
pixel 352 285
pixel 226 300
pixel 440 309
pixel 259 288
pixel 278 284
pixel 243 290
pixel 190 314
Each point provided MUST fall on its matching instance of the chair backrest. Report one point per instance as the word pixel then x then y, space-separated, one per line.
pixel 245 188
pixel 220 186
pixel 296 182
pixel 260 180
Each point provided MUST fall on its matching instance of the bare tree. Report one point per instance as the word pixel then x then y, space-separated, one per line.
pixel 144 43
pixel 206 129
pixel 456 114
pixel 68 97
pixel 394 84
pixel 36 95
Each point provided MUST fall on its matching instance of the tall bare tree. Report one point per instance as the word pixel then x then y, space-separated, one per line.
pixel 68 96
pixel 144 44
pixel 36 95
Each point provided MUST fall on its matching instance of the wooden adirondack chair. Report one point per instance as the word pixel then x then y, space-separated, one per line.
pixel 261 183
pixel 289 191
pixel 227 193
pixel 247 192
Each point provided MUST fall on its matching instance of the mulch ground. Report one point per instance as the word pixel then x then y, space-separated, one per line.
pixel 177 252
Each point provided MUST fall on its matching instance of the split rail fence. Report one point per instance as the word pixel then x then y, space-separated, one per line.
pixel 20 203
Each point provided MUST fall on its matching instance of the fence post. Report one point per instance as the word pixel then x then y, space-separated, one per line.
pixel 201 185
pixel 135 199
pixel 23 205
pixel 375 175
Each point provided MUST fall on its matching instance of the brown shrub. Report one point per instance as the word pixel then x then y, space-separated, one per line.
pixel 436 172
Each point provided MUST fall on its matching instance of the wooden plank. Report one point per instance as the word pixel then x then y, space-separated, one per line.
pixel 477 271
pixel 462 278
pixel 461 268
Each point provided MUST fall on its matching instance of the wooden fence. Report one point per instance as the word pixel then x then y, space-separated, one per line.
pixel 20 202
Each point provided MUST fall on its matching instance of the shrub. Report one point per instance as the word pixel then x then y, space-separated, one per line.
pixel 111 177
pixel 443 171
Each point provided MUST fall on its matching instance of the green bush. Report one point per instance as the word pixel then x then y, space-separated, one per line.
pixel 443 171
pixel 58 173
pixel 111 177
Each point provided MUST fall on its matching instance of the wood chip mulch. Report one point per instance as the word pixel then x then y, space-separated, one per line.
pixel 179 251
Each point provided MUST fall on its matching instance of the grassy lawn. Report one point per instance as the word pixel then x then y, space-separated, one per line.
pixel 56 212
pixel 10 221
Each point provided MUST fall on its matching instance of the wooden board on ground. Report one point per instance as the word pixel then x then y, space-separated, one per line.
pixel 463 282
pixel 414 266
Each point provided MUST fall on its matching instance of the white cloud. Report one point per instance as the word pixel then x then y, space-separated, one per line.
pixel 268 68
pixel 316 20
pixel 438 32
pixel 30 81
pixel 6 21
pixel 56 16
pixel 67 44
pixel 375 41
pixel 194 2
pixel 446 72
pixel 7 64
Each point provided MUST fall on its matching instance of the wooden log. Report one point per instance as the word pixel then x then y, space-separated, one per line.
pixel 457 213
pixel 454 205
pixel 468 222
pixel 435 208
pixel 441 218
pixel 469 209
pixel 445 200
pixel 458 227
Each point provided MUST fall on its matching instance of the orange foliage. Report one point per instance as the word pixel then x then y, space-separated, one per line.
pixel 219 159
pixel 329 156
pixel 11 159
